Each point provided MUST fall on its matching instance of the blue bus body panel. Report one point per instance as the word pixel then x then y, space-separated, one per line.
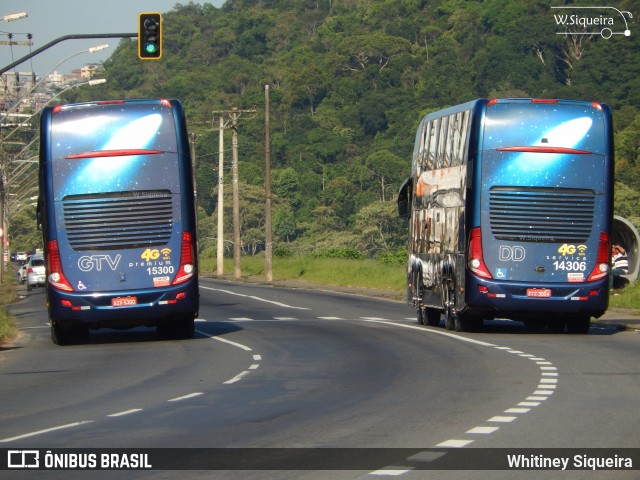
pixel 542 214
pixel 118 218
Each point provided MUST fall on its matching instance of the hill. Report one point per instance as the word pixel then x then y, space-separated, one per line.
pixel 349 82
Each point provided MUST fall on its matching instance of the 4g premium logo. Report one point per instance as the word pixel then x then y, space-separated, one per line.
pixel 154 254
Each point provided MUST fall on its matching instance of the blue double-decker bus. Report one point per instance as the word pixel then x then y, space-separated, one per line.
pixel 117 212
pixel 510 212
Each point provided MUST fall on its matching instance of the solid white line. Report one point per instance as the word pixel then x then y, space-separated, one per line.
pixel 184 397
pixel 229 292
pixel 40 432
pixel 235 344
pixel 425 330
pixel 126 412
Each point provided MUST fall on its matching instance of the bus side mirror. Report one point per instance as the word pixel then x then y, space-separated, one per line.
pixel 403 199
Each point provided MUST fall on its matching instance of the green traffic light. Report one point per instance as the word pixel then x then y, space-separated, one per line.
pixel 151 48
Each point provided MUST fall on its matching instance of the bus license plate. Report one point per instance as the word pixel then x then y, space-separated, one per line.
pixel 539 292
pixel 124 301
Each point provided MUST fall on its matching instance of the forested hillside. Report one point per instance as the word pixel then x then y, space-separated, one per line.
pixel 349 82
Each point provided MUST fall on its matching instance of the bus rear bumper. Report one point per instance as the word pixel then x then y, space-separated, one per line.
pixel 514 299
pixel 122 309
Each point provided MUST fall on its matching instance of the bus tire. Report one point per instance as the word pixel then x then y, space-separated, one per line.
pixel 579 324
pixel 449 305
pixel 432 316
pixel 60 336
pixel 420 315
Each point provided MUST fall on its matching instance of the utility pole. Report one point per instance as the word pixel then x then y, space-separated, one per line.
pixel 268 244
pixel 220 240
pixel 234 114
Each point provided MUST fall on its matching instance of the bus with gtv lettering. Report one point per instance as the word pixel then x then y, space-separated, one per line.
pixel 116 208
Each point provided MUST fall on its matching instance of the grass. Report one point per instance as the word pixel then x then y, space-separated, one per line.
pixel 8 329
pixel 628 297
pixel 341 272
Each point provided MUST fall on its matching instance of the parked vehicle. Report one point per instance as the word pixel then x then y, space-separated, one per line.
pixel 35 271
pixel 22 273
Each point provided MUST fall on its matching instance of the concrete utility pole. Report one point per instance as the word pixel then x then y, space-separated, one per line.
pixel 220 240
pixel 268 244
pixel 234 114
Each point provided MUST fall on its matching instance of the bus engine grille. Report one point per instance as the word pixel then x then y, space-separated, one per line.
pixel 118 220
pixel 541 214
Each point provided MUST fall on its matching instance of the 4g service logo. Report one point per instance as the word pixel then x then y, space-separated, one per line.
pixel 568 249
pixel 154 254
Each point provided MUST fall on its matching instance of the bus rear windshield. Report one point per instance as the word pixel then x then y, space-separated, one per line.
pixel 545 128
pixel 113 128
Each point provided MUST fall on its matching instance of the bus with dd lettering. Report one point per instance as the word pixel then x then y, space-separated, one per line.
pixel 116 208
pixel 510 213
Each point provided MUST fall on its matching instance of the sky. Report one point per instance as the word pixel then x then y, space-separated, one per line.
pixel 51 19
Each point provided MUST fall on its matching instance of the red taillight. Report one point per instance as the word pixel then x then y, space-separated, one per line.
pixel 540 149
pixel 601 270
pixel 54 268
pixel 187 267
pixel 544 100
pixel 474 254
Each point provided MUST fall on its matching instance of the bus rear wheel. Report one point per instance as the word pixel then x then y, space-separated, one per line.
pixel 579 324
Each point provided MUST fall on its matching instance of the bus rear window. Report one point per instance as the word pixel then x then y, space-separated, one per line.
pixel 112 128
pixel 550 128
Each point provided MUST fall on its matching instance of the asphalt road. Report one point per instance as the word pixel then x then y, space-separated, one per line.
pixel 293 368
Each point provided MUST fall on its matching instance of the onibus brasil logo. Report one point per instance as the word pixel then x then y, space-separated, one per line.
pixel 603 21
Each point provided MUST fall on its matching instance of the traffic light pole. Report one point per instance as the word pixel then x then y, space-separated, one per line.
pixel 62 39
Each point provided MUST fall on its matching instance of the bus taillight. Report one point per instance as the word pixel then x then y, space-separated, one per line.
pixel 476 260
pixel 186 270
pixel 56 276
pixel 601 269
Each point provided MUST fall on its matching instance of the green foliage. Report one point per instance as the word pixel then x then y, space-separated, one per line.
pixel 349 82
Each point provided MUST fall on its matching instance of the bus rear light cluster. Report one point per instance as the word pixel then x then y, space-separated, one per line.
pixel 179 296
pixel 54 267
pixel 476 260
pixel 601 270
pixel 187 267
pixel 75 308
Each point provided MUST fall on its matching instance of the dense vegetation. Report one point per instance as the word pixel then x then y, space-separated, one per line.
pixel 349 81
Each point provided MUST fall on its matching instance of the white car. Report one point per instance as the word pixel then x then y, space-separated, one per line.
pixel 35 271
pixel 21 257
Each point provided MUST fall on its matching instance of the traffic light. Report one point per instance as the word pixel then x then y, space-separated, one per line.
pixel 149 36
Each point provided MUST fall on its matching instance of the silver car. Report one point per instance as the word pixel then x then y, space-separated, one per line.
pixel 35 271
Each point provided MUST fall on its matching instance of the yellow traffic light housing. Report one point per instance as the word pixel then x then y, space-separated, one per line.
pixel 149 36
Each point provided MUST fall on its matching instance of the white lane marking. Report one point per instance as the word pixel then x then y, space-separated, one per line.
pixel 126 412
pixel 257 358
pixel 330 318
pixel 255 366
pixel 237 378
pixel 47 430
pixel 235 344
pixel 502 419
pixel 185 397
pixel 483 430
pixel 260 299
pixel 425 330
pixel 389 472
pixel 455 443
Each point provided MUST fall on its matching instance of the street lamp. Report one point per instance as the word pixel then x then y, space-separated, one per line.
pixel 89 50
pixel 15 16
